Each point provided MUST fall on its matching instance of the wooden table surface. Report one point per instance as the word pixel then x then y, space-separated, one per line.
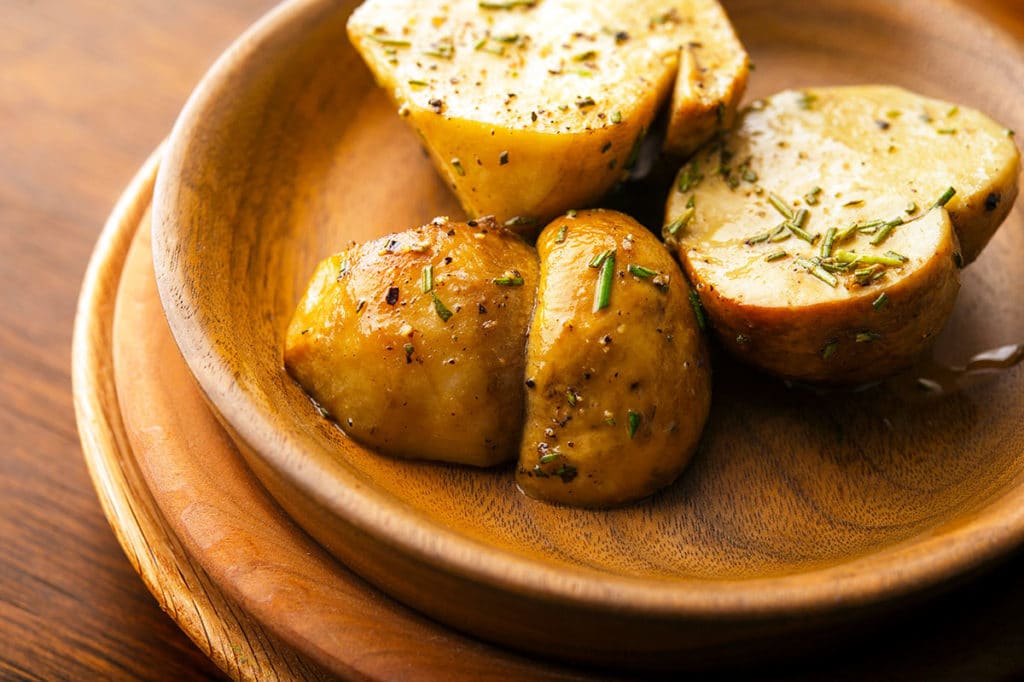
pixel 87 89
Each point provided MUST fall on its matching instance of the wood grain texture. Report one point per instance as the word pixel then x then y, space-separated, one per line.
pixel 801 512
pixel 87 90
pixel 261 573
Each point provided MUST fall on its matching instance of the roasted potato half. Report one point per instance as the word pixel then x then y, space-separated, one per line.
pixel 531 108
pixel 617 374
pixel 414 342
pixel 826 232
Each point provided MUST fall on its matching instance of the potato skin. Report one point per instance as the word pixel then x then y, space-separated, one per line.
pixel 371 347
pixel 588 371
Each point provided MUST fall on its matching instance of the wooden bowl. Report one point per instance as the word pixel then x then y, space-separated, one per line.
pixel 803 512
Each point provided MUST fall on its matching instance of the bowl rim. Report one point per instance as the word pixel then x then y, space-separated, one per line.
pixel 996 527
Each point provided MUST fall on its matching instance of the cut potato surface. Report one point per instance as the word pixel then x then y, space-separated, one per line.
pixel 617 371
pixel 414 343
pixel 825 234
pixel 529 108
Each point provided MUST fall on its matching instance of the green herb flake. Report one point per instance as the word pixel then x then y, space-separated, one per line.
pixel 944 199
pixel 428 279
pixel 776 255
pixel 868 337
pixel 898 256
pixel 598 259
pixel 409 350
pixel 509 279
pixel 828 242
pixel 549 457
pixel 829 350
pixel 633 423
pixel 393 42
pixel 671 230
pixel 815 269
pixel 641 272
pixel 561 234
pixel 811 198
pixel 689 177
pixel 698 310
pixel 616 117
pixel 881 301
pixel 440 308
pixel 418 83
pixel 780 205
pixel 911 208
pixel 572 396
pixel 603 295
pixel 457 165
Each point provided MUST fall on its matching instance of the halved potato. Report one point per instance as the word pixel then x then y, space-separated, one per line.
pixel 414 342
pixel 890 192
pixel 531 107
pixel 617 370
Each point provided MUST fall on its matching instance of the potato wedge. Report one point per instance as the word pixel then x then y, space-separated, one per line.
pixel 529 108
pixel 891 193
pixel 618 377
pixel 414 343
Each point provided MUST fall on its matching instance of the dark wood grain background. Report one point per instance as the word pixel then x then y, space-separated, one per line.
pixel 87 89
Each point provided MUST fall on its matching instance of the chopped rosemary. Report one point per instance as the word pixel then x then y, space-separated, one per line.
pixel 780 205
pixel 802 234
pixel 388 40
pixel 826 245
pixel 869 259
pixel 561 234
pixel 881 301
pixel 689 177
pixel 829 350
pixel 550 457
pixel 616 117
pixel 603 295
pixel 911 208
pixel 883 233
pixel 418 83
pixel 698 310
pixel 597 260
pixel 944 199
pixel 409 350
pixel 428 279
pixel 780 234
pixel 776 255
pixel 509 279
pixel 673 228
pixel 457 165
pixel 633 420
pixel 898 256
pixel 440 308
pixel 868 337
pixel 641 272
pixel 572 396
pixel 584 56
pixel 815 269
pixel 811 198
pixel 800 218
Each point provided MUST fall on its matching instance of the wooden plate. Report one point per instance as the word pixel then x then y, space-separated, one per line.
pixel 801 510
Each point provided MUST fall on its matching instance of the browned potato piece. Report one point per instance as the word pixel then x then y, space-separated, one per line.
pixel 414 342
pixel 530 108
pixel 618 389
pixel 891 192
